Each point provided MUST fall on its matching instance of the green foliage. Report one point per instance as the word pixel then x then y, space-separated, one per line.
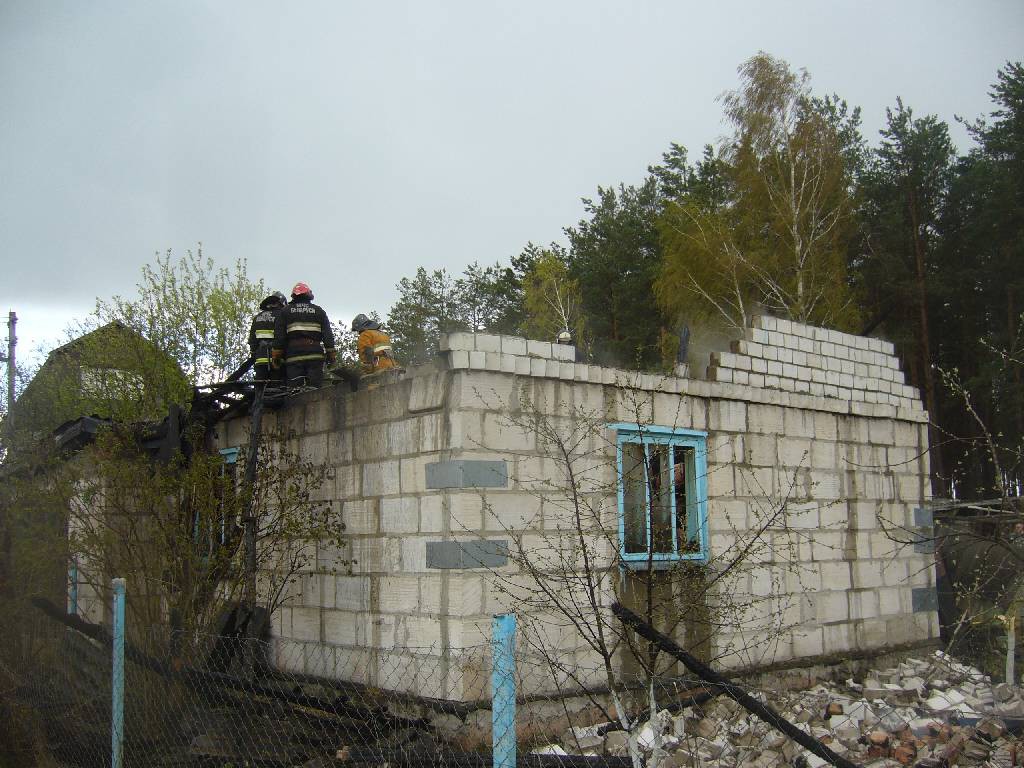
pixel 174 529
pixel 771 224
pixel 551 296
pixel 614 255
pixel 191 310
pixel 485 299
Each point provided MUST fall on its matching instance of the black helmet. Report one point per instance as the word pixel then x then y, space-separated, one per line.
pixel 359 322
pixel 276 299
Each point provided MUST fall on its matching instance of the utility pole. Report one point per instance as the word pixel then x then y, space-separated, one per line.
pixel 12 342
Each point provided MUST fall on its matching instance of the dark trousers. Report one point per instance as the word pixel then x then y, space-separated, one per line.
pixel 308 372
pixel 266 373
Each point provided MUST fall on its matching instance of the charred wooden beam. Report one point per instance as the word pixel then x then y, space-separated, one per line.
pixel 729 688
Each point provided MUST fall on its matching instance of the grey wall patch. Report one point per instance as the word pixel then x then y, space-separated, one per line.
pixel 467 554
pixel 924 599
pixel 467 473
pixel 923 517
pixel 924 520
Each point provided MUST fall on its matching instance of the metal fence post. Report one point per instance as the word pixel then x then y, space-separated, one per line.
pixel 117 686
pixel 503 691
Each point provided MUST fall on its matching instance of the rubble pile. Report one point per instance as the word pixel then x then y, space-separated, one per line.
pixel 930 713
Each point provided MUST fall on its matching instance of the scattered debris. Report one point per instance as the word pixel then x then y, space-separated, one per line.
pixel 926 713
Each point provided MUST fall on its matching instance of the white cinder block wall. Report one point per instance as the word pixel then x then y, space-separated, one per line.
pixel 813 420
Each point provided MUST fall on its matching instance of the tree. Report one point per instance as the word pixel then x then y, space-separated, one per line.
pixel 429 304
pixel 780 236
pixel 551 296
pixel 192 310
pixel 905 190
pixel 614 255
pixel 168 522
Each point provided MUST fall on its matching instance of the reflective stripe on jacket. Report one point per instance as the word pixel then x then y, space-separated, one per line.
pixel 261 333
pixel 303 332
pixel 374 349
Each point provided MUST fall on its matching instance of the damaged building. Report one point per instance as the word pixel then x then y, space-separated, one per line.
pixel 804 439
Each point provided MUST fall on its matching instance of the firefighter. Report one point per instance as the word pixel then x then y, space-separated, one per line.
pixel 302 339
pixel 373 345
pixel 261 336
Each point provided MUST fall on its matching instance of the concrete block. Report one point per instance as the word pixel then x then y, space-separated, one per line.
pixel 755 482
pixel 486 342
pixel 536 348
pixel 513 345
pixel 458 359
pixel 343 628
pixel 430 513
pixel 724 375
pixel 360 516
pixel 507 363
pixel 398 594
pixel 465 512
pixel 478 360
pixel 836 575
pixel 306 624
pixel 427 392
pixel 864 604
pixel 403 437
pixel 808 642
pixel 564 352
pixel 888 601
pixel 726 449
pixel 459 341
pixel 492 361
pixel 832 606
pixel 728 416
pixel 352 593
pixel 537 366
pixel 794 452
pixel 802 516
pixel 381 478
pixel 720 481
pixel 523 366
pixel 507 512
pixel 399 515
pixel 761 450
pixel 413 474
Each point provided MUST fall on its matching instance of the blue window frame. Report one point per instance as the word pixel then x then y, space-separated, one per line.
pixel 662 495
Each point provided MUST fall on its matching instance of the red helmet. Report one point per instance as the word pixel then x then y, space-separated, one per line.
pixel 301 289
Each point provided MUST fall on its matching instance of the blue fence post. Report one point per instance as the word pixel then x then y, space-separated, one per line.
pixel 117 687
pixel 503 691
pixel 73 587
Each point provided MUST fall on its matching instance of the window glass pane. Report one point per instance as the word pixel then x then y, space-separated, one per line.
pixel 634 498
pixel 661 499
pixel 686 502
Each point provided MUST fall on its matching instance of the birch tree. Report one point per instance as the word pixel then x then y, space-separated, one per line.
pixel 781 237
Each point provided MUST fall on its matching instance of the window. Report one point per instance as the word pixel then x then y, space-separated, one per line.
pixel 662 494
pixel 217 528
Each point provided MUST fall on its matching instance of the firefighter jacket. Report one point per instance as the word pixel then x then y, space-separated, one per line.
pixel 261 333
pixel 374 348
pixel 302 332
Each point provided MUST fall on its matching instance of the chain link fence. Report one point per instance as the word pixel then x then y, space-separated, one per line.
pixel 225 702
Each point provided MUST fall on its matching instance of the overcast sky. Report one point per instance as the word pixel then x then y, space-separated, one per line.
pixel 344 144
